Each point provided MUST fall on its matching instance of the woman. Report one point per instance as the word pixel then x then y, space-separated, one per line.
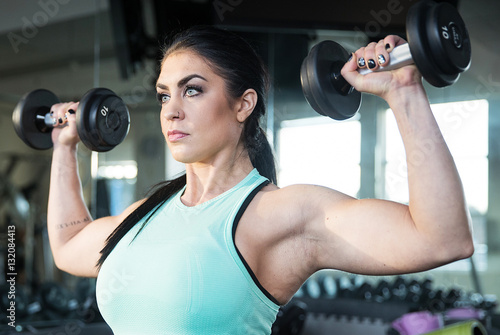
pixel 218 250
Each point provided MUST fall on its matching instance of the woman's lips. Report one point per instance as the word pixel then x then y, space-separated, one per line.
pixel 175 135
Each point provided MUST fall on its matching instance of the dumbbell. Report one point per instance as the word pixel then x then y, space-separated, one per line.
pixel 102 119
pixel 382 291
pixel 57 301
pixel 438 44
pixel 290 319
pixel 329 287
pixel 312 288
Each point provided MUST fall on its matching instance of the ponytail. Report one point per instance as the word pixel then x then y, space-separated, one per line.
pixel 260 153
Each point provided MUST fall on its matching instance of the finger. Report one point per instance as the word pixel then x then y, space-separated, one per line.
pixel 360 58
pixel 60 112
pixel 370 56
pixel 350 69
pixel 70 114
pixel 392 41
pixel 382 54
pixel 73 107
pixel 54 111
pixel 352 63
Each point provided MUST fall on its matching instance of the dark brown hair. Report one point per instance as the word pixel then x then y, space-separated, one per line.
pixel 234 59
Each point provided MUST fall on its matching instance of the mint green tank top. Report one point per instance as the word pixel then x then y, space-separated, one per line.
pixel 183 273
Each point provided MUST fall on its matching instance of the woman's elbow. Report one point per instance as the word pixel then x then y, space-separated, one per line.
pixel 461 249
pixel 467 249
pixel 60 263
pixel 466 245
pixel 461 245
pixel 451 250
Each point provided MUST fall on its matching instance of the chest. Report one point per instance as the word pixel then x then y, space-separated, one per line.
pixel 182 274
pixel 173 273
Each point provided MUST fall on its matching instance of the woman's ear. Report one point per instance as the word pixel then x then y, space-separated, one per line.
pixel 248 101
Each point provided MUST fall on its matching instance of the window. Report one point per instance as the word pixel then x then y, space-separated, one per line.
pixel 115 187
pixel 320 151
pixel 465 128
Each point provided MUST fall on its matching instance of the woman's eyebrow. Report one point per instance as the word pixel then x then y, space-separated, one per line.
pixel 181 82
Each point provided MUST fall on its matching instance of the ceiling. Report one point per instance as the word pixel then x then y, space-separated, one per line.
pixel 68 47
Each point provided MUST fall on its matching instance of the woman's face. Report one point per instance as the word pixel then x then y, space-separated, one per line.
pixel 197 119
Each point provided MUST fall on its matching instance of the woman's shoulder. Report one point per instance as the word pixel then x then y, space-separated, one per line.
pixel 303 193
pixel 295 205
pixel 277 203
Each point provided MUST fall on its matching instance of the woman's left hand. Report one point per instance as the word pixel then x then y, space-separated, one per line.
pixel 383 83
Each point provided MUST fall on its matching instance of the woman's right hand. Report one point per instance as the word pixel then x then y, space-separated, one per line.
pixel 68 135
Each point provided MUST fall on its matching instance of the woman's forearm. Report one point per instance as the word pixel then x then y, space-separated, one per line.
pixel 437 202
pixel 67 211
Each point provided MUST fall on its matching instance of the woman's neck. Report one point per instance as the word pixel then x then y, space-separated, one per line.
pixel 207 181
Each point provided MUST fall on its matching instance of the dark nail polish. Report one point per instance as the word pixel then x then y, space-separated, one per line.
pixel 387 46
pixel 371 64
pixel 60 120
pixel 361 62
pixel 71 111
pixel 350 57
pixel 51 113
pixel 381 59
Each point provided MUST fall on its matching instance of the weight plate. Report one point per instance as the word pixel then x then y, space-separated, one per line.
pixel 448 38
pixel 419 45
pixel 307 86
pixel 323 87
pixel 103 120
pixel 32 131
pixel 112 121
pixel 83 117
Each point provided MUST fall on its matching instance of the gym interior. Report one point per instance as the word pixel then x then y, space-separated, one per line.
pixel 69 47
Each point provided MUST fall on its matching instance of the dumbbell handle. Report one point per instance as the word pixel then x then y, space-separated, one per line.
pixel 400 56
pixel 48 119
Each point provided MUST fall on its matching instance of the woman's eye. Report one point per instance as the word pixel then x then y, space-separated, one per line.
pixel 193 91
pixel 162 98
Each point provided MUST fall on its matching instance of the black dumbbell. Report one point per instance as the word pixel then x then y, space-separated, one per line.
pixel 453 295
pixel 312 288
pixel 434 301
pixel 364 292
pixel 290 319
pixel 399 289
pixel 329 287
pixel 102 119
pixel 382 291
pixel 57 301
pixel 438 44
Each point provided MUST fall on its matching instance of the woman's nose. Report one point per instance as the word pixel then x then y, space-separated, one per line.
pixel 173 111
